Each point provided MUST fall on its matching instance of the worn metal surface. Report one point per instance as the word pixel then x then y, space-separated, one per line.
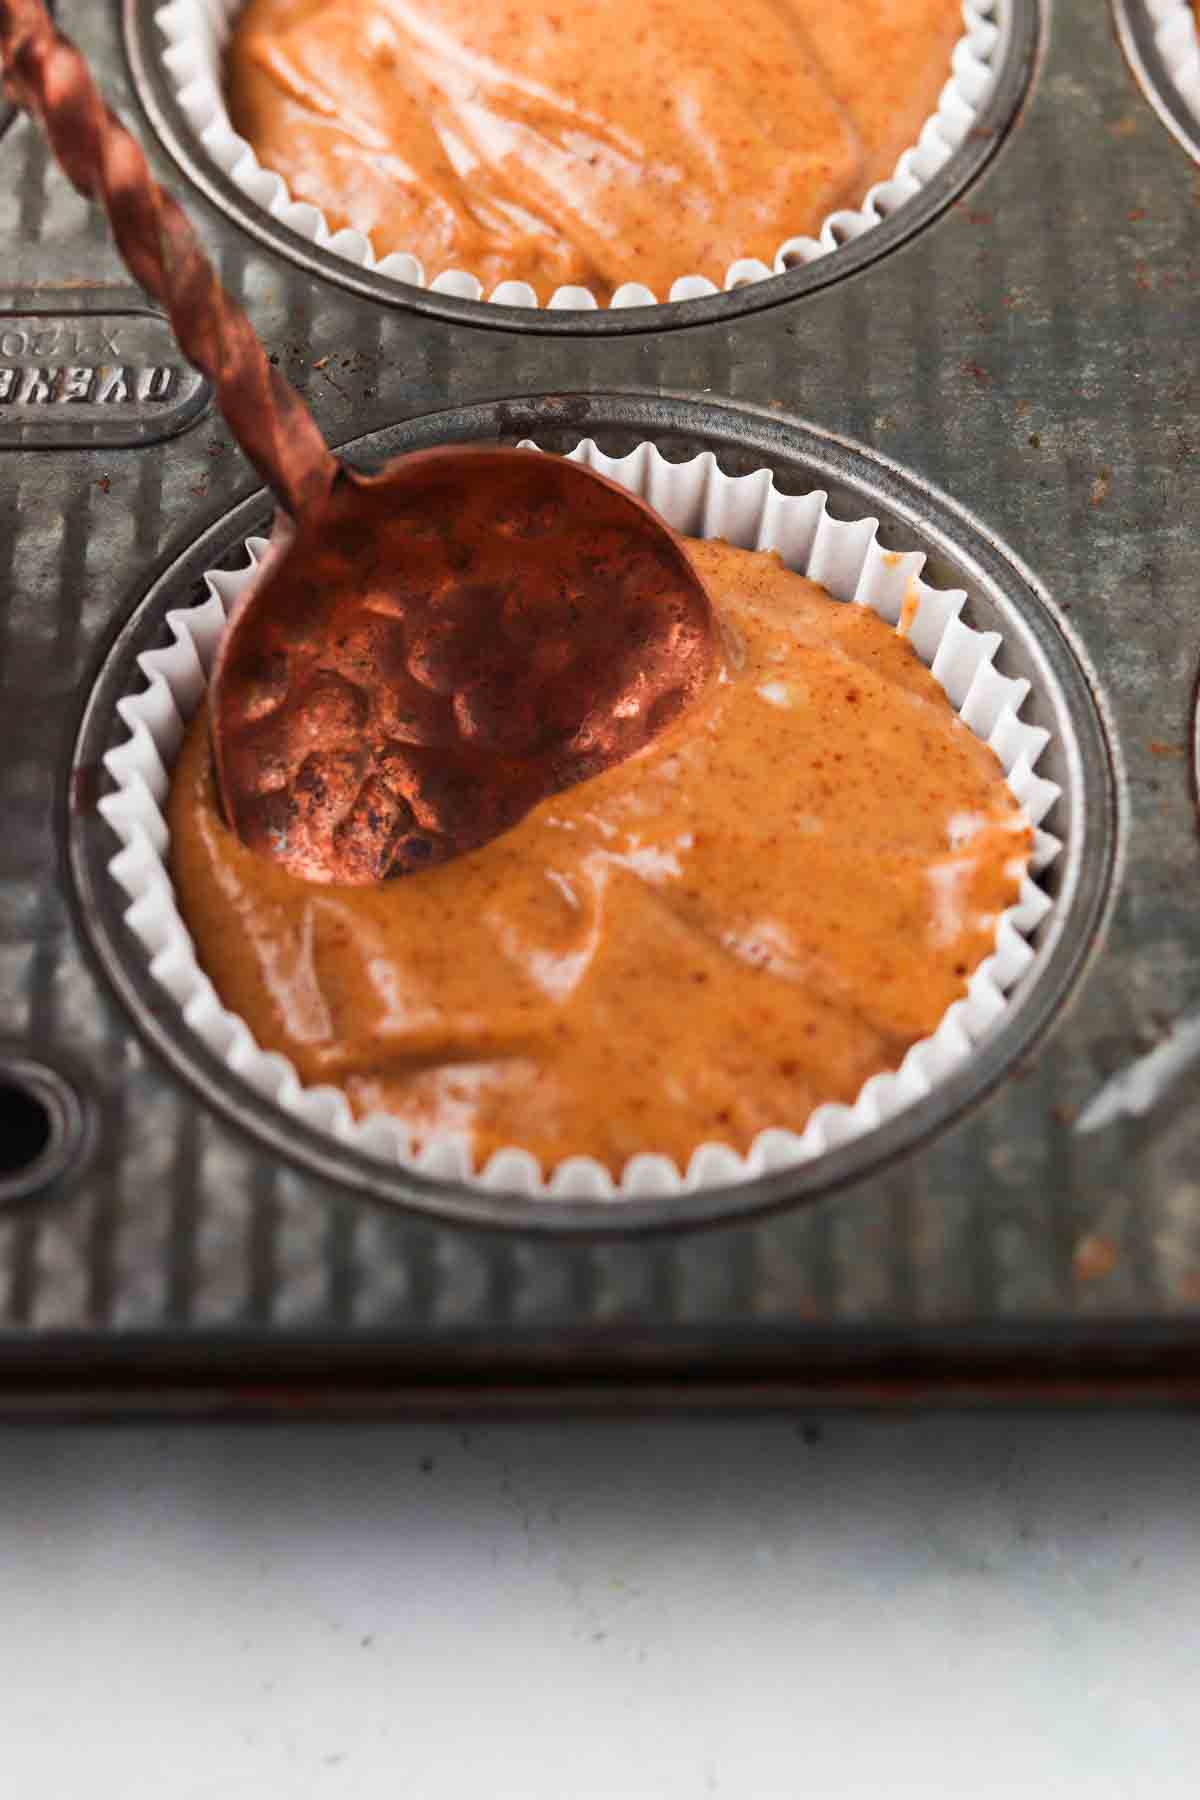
pixel 1027 353
pixel 72 375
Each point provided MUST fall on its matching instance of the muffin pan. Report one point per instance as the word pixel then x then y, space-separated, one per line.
pixel 171 49
pixel 168 1241
pixel 1073 777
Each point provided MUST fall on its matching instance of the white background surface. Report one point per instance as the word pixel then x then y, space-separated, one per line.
pixel 939 1606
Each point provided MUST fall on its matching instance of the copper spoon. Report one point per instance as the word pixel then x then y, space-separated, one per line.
pixel 427 652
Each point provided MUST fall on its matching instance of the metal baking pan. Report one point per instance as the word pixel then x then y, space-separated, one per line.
pixel 1005 379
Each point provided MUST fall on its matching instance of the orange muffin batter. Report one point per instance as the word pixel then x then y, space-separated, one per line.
pixel 591 142
pixel 769 904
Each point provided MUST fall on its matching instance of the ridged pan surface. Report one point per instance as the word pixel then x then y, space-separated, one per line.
pixel 1027 354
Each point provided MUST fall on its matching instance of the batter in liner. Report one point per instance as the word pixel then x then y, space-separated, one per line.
pixel 768 905
pixel 585 142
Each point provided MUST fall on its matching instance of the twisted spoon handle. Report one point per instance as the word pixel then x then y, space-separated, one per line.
pixel 47 76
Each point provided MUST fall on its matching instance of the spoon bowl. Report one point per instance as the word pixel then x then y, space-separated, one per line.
pixel 440 646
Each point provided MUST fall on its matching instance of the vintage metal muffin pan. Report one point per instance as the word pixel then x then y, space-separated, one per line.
pixel 1010 385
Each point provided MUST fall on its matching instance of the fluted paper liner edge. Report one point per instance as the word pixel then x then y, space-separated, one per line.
pixel 1177 40
pixel 697 498
pixel 195 34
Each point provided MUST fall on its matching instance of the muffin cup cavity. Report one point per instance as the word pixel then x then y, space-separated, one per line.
pixel 194 34
pixel 698 499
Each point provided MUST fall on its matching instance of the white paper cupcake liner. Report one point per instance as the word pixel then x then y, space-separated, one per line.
pixel 196 32
pixel 1178 43
pixel 700 501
